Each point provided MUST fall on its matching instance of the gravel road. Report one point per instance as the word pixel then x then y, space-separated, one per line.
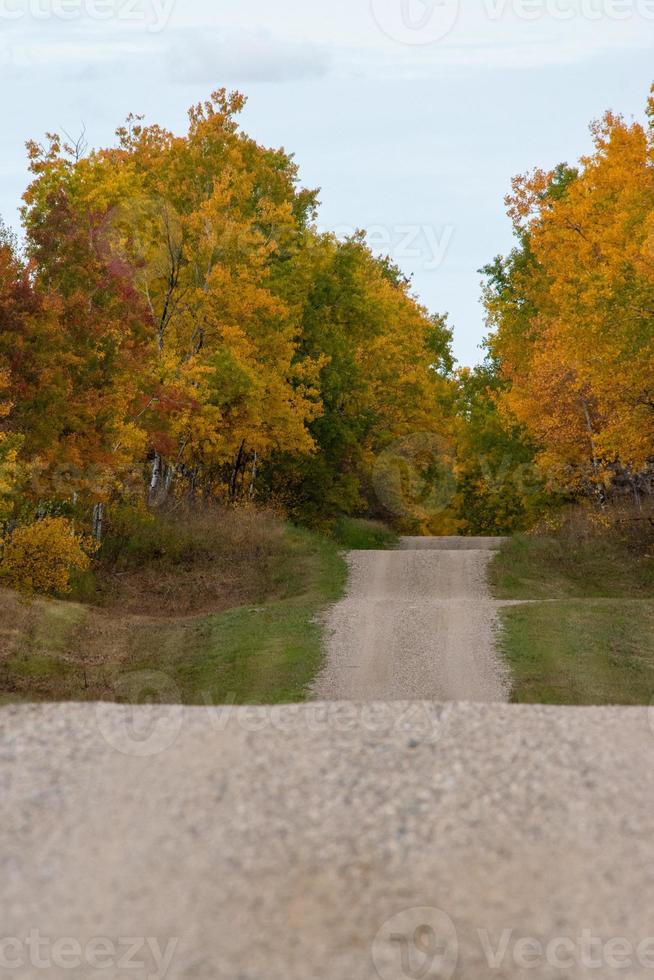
pixel 416 623
pixel 320 842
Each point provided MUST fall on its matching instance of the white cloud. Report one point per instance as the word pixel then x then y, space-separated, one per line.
pixel 389 32
pixel 243 57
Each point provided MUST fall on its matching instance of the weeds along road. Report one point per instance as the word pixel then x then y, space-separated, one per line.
pixel 416 623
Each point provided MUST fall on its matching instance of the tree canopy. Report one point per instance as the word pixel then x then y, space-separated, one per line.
pixel 177 325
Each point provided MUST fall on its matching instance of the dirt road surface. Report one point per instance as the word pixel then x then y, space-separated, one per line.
pixel 416 623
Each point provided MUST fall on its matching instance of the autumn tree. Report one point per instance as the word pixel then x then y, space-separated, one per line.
pixel 196 227
pixel 78 357
pixel 15 303
pixel 571 310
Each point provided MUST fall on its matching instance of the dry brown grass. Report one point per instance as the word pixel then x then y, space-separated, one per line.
pixel 188 561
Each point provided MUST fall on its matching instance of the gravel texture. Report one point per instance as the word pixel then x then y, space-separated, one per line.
pixel 329 842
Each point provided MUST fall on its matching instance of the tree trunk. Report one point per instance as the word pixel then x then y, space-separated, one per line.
pixel 233 483
pixel 156 475
pixel 168 480
pixel 161 481
pixel 253 479
pixel 595 461
pixel 98 521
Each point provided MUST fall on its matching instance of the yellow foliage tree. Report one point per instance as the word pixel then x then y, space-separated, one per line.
pixel 198 226
pixel 39 558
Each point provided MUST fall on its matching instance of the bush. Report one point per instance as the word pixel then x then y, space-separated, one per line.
pixel 39 558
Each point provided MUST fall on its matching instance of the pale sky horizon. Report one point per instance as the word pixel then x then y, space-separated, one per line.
pixel 412 116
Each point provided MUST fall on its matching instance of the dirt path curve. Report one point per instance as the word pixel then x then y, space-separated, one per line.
pixel 416 623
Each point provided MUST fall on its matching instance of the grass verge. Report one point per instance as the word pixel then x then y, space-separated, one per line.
pixel 263 654
pixel 264 651
pixel 587 635
pixel 580 651
pixel 562 566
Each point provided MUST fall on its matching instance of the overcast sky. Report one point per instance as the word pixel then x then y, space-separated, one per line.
pixel 411 115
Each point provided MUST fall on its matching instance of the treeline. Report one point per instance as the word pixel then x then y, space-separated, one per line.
pixel 176 327
pixel 572 317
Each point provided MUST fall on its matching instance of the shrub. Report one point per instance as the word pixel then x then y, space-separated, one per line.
pixel 39 558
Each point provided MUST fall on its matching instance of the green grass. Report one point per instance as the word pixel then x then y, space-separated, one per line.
pixel 358 534
pixel 38 657
pixel 588 639
pixel 581 651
